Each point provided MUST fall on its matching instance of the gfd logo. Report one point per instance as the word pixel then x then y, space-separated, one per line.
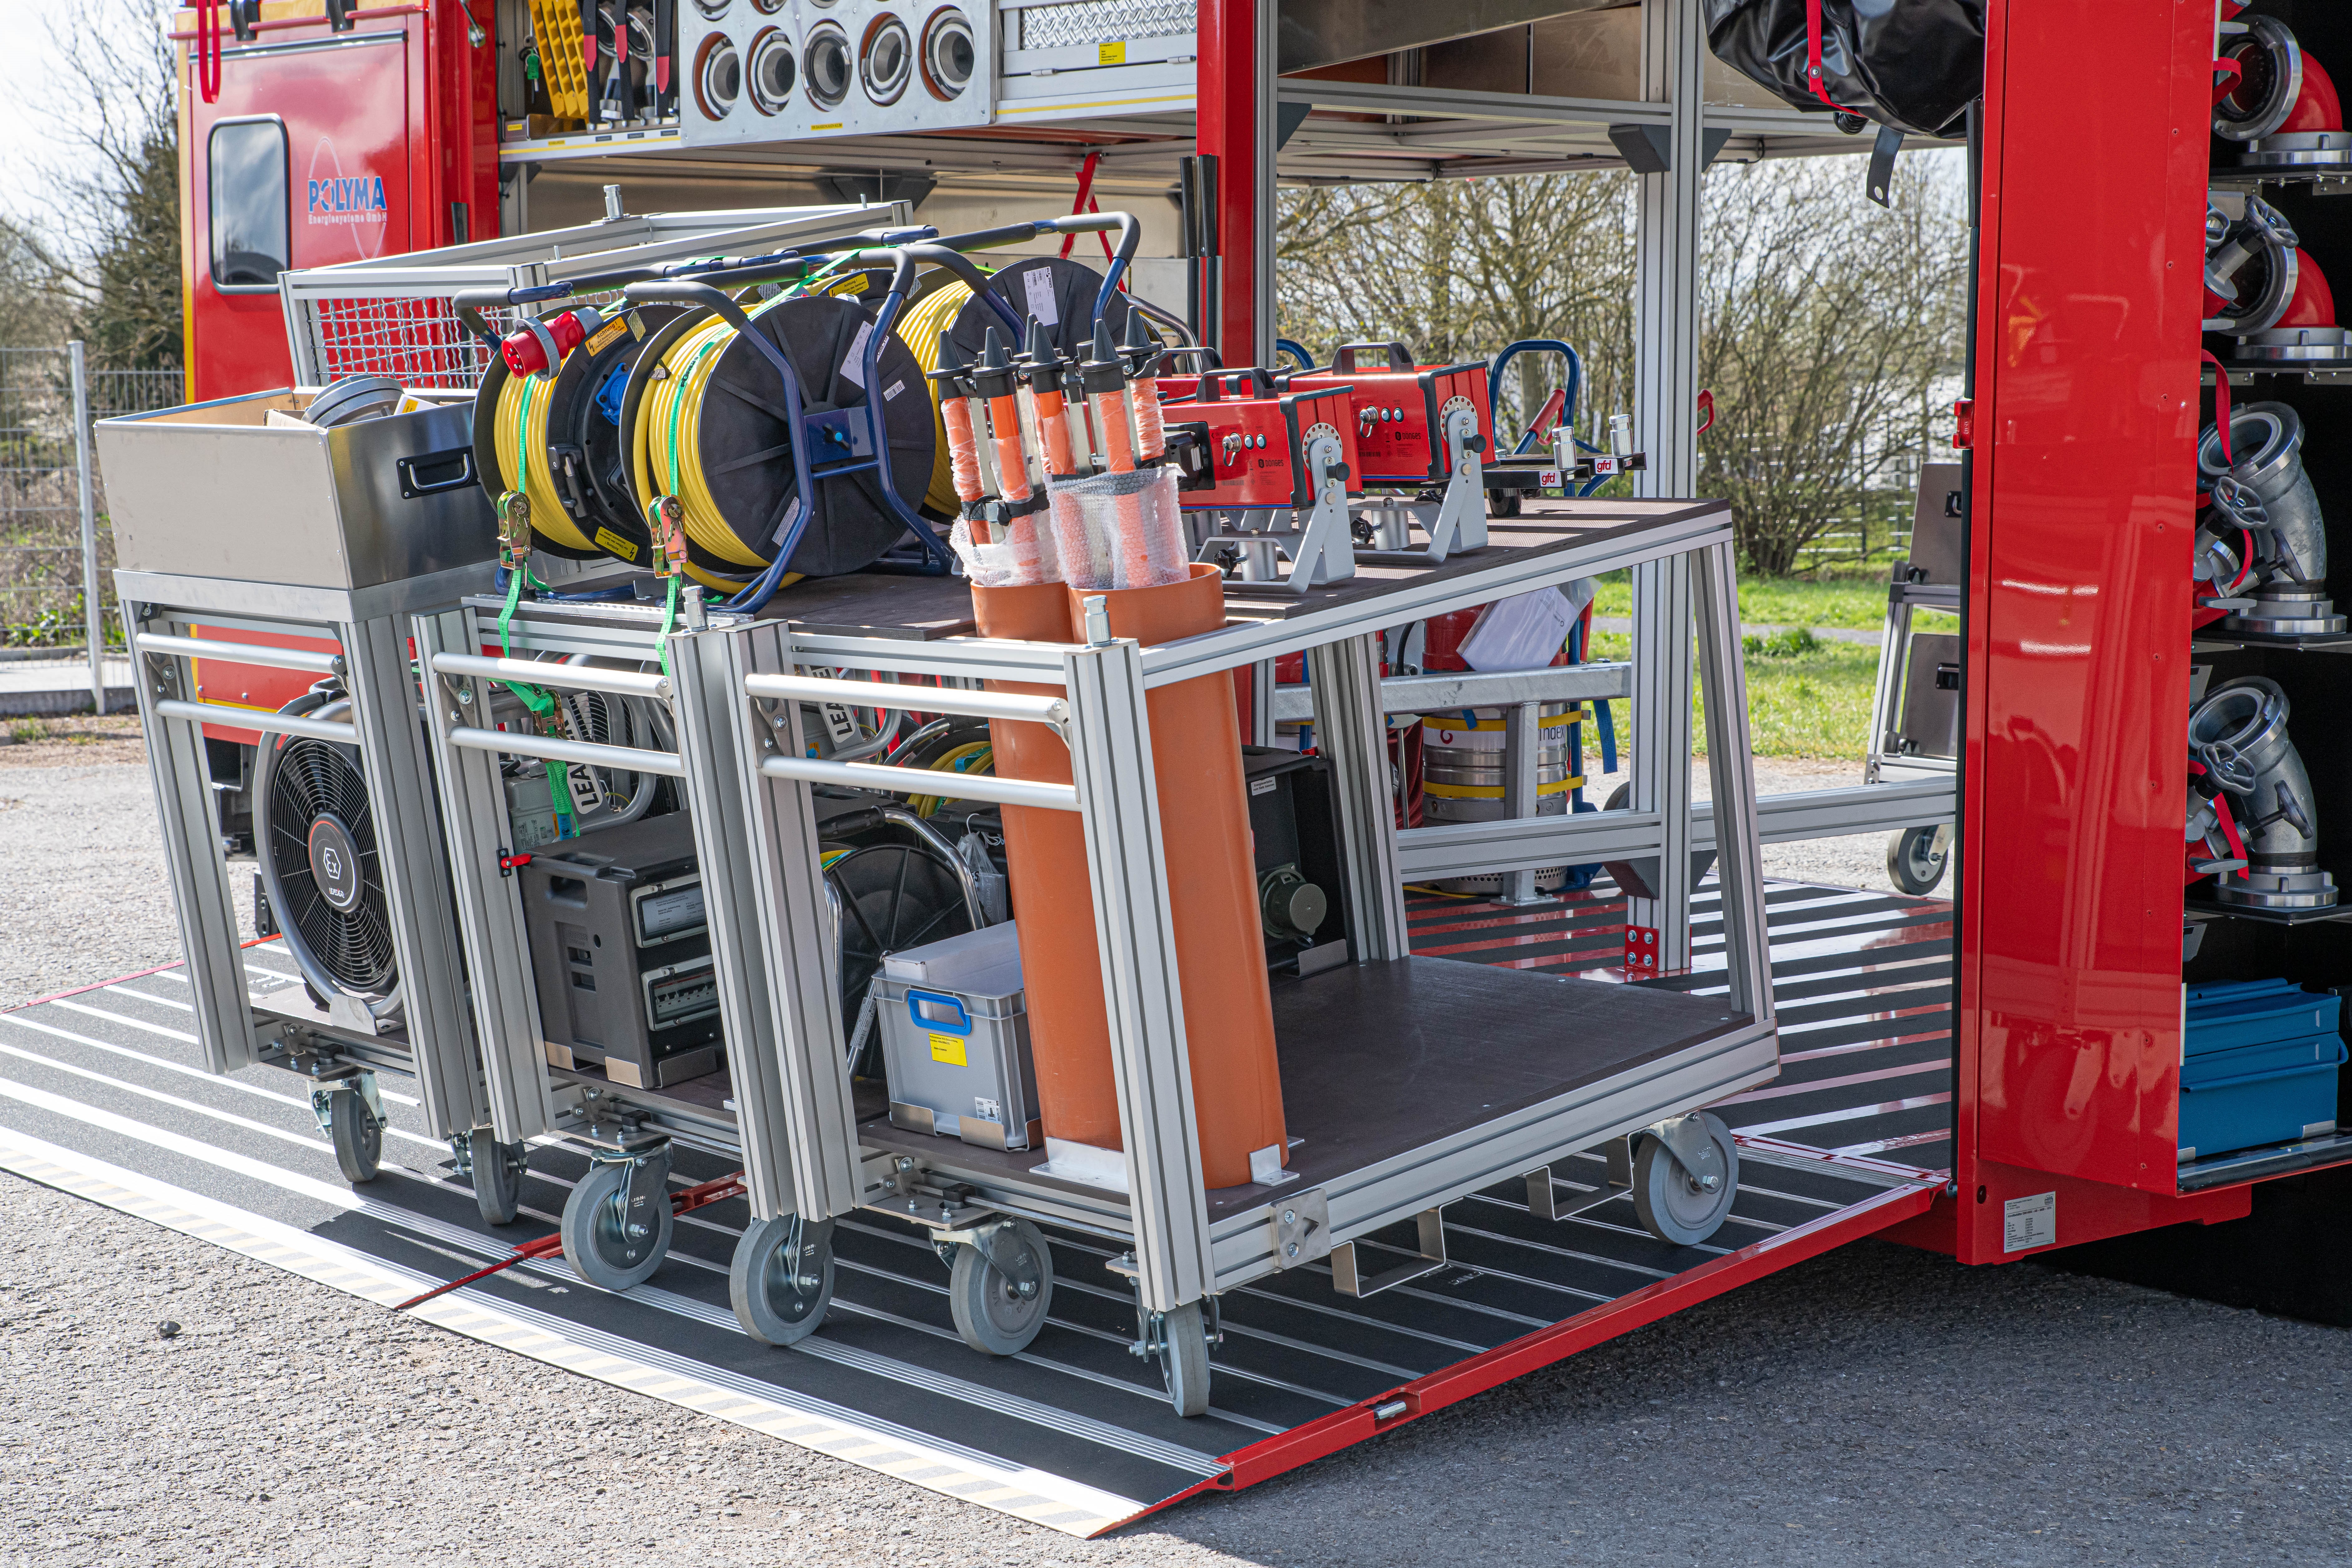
pixel 348 200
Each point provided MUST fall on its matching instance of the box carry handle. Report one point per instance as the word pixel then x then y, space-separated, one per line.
pixel 430 473
pixel 963 1013
pixel 2246 1078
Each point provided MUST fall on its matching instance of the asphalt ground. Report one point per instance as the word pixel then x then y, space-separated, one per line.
pixel 1875 1405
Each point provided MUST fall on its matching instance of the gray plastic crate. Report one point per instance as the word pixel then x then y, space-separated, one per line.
pixel 958 1058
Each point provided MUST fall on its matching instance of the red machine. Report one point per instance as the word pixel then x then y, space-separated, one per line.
pixel 1401 411
pixel 313 132
pixel 1267 457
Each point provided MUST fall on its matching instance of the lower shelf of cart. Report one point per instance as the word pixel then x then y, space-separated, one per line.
pixel 1381 1060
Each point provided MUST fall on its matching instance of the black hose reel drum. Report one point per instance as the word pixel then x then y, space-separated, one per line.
pixel 736 437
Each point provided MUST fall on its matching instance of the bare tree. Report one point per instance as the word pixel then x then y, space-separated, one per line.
pixel 1456 269
pixel 109 240
pixel 1827 321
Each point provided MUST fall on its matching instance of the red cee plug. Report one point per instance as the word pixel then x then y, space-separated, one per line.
pixel 539 345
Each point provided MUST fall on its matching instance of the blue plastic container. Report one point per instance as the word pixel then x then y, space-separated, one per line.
pixel 2257 1066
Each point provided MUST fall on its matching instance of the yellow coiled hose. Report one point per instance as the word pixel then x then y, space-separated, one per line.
pixel 919 327
pixel 521 436
pixel 667 449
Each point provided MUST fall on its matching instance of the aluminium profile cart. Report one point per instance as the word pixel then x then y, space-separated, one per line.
pixel 617 1221
pixel 315 568
pixel 1562 1065
pixel 1916 703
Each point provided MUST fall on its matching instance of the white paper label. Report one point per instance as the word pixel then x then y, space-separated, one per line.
pixel 2027 1223
pixel 853 368
pixel 1262 786
pixel 1548 478
pixel 893 390
pixel 1038 285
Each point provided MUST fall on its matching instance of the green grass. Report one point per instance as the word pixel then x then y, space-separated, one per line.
pixel 1802 701
pixel 1779 601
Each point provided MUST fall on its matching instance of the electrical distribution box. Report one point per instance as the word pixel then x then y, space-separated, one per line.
pixel 621 952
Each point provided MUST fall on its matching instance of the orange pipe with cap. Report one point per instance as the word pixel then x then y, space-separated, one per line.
pixel 1212 894
pixel 1053 898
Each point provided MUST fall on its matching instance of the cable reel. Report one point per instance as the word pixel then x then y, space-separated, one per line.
pixel 705 413
pixel 558 438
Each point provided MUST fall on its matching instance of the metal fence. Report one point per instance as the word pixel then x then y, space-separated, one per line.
pixel 57 551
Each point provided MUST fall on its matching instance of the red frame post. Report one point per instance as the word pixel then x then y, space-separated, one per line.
pixel 1227 131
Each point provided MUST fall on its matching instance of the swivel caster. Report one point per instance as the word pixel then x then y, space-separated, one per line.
pixel 1002 1287
pixel 781 1281
pixel 1916 858
pixel 616 1223
pixel 350 1113
pixel 1686 1176
pixel 1184 1359
pixel 498 1171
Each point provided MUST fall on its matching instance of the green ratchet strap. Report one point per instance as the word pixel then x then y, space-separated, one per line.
pixel 558 775
pixel 669 620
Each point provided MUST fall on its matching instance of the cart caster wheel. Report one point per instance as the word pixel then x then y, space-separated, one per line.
pixel 1671 1204
pixel 614 1238
pixel 357 1135
pixel 1184 1360
pixel 1002 1288
pixel 782 1278
pixel 1916 856
pixel 497 1175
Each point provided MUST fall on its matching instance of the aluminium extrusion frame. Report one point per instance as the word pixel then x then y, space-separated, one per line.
pixel 1180 1256
pixel 236 1028
pixel 529 1097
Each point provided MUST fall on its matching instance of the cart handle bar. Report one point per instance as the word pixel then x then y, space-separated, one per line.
pixel 254 719
pixel 539 673
pixel 555 749
pixel 919 780
pixel 1019 706
pixel 242 653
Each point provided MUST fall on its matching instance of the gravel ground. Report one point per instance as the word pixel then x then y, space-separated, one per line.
pixel 1875 1405
pixel 77 789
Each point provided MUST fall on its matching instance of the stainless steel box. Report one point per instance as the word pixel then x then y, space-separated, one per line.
pixel 213 489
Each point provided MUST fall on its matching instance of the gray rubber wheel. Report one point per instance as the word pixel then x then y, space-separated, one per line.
pixel 781 1281
pixel 1184 1360
pixel 991 1314
pixel 357 1135
pixel 497 1175
pixel 1916 857
pixel 596 1241
pixel 1675 1208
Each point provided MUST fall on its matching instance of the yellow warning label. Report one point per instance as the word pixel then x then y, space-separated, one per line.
pixel 853 284
pixel 1110 54
pixel 949 1048
pixel 614 544
pixel 835 126
pixel 607 333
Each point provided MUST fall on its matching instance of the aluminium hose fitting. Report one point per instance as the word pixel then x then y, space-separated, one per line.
pixel 2289 557
pixel 2238 734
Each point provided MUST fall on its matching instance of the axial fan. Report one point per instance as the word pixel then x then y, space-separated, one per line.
pixel 315 836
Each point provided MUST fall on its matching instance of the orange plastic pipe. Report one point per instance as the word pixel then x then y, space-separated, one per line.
pixel 1053 898
pixel 1196 761
pixel 964 447
pixel 1012 457
pixel 1055 433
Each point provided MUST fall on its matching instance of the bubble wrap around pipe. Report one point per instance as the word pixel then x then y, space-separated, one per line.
pixel 1023 557
pixel 1119 531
